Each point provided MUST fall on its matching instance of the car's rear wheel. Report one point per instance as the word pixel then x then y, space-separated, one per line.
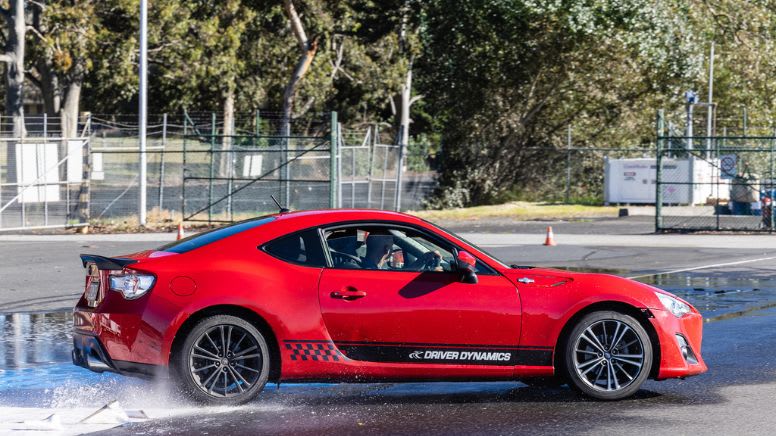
pixel 223 360
pixel 608 355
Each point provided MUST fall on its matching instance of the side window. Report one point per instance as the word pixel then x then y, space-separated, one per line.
pixel 387 248
pixel 303 248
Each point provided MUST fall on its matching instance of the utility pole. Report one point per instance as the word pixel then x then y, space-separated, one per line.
pixel 143 71
pixel 691 98
pixel 710 107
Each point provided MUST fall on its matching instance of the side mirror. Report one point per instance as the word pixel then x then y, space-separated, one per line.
pixel 467 265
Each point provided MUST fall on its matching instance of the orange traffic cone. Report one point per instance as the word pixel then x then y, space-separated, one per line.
pixel 550 240
pixel 181 234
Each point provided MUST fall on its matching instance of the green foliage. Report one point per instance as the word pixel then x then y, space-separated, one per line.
pixel 497 77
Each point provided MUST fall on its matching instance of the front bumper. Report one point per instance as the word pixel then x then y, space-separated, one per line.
pixel 673 362
pixel 89 353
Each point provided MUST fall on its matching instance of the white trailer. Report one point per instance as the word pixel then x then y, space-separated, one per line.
pixel 684 181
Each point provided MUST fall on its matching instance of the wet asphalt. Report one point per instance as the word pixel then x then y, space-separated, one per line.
pixel 736 396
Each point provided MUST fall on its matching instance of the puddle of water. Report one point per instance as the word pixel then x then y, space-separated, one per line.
pixel 36 368
pixel 716 296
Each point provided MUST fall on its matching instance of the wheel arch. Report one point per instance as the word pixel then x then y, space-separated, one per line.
pixel 641 315
pixel 241 312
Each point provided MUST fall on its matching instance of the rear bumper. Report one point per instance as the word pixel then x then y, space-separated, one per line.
pixel 89 353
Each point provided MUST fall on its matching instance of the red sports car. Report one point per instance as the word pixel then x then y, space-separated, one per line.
pixel 365 296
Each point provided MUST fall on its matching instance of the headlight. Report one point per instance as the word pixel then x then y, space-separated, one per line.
pixel 673 305
pixel 131 284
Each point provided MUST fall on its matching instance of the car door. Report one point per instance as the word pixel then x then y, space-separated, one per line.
pixel 405 312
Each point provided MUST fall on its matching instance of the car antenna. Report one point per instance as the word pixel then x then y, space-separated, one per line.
pixel 282 209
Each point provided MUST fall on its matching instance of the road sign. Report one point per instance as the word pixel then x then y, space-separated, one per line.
pixel 727 165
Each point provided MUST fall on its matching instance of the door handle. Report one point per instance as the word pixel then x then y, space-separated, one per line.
pixel 525 280
pixel 348 294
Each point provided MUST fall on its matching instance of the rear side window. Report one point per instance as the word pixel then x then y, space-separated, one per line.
pixel 302 248
pixel 201 239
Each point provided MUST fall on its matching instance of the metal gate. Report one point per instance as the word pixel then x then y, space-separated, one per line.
pixel 368 170
pixel 715 183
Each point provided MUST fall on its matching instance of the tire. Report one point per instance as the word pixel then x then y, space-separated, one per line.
pixel 207 376
pixel 607 355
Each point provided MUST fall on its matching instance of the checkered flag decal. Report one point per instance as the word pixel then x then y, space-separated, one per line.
pixel 315 351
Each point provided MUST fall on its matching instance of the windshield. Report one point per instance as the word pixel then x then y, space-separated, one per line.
pixel 201 239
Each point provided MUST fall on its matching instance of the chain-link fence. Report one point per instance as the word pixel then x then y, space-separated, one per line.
pixel 716 181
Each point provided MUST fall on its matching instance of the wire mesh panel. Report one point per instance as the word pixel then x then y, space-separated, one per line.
pixel 722 183
pixel 42 182
pixel 233 176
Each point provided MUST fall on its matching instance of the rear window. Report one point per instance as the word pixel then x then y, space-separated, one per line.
pixel 202 239
pixel 302 248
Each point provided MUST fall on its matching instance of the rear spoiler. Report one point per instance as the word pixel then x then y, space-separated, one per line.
pixel 107 263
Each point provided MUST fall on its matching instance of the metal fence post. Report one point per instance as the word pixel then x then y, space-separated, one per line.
pixel 658 171
pixel 212 163
pixel 400 167
pixel 340 156
pixel 371 158
pixel 568 165
pixel 257 121
pixel 183 164
pixel 45 176
pixel 719 175
pixel 770 183
pixel 161 162
pixel 333 176
pixel 84 197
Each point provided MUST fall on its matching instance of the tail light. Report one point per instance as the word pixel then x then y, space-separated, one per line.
pixel 131 284
pixel 93 291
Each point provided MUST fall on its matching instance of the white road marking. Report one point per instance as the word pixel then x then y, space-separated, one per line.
pixel 695 268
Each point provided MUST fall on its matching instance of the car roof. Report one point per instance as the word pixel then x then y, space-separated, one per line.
pixel 334 215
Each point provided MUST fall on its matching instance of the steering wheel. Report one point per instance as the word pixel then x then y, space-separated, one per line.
pixel 338 258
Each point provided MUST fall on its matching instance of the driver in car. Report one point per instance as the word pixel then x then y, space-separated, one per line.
pixel 378 254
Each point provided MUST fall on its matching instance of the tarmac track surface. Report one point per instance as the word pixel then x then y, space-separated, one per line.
pixel 735 289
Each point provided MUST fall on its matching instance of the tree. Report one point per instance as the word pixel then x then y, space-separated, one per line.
pixel 66 34
pixel 13 58
pixel 503 77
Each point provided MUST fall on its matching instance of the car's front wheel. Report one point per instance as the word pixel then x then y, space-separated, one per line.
pixel 608 355
pixel 223 360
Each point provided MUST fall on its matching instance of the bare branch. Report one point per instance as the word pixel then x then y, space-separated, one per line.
pixel 296 25
pixel 415 99
pixel 36 32
pixel 5 57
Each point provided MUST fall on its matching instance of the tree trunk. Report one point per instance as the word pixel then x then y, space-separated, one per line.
pixel 406 102
pixel 49 80
pixel 225 157
pixel 307 50
pixel 69 122
pixel 70 109
pixel 49 88
pixel 14 97
pixel 14 71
